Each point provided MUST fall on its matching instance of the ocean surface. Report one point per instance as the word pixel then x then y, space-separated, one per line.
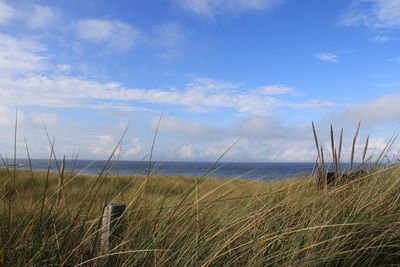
pixel 259 171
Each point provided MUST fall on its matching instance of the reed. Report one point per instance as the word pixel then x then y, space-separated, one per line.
pixel 324 177
pixel 365 150
pixel 353 148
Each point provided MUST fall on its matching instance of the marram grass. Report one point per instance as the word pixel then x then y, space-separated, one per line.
pixel 183 221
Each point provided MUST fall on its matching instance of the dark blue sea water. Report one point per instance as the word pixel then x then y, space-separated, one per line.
pixel 261 171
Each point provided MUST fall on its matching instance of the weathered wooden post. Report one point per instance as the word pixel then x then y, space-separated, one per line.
pixel 109 226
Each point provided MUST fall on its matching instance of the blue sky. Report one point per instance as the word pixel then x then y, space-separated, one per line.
pixel 259 70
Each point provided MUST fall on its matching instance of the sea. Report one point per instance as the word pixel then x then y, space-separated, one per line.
pixel 244 170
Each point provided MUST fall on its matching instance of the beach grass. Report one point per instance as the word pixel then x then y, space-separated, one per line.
pixel 186 221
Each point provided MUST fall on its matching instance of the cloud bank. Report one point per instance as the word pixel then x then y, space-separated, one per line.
pixel 375 14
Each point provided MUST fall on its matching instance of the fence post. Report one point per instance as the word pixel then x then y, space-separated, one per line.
pixel 109 226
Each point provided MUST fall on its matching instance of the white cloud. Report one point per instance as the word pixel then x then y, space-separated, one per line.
pixel 63 91
pixel 316 103
pixel 382 38
pixel 116 34
pixel 21 83
pixel 169 34
pixel 264 148
pixel 7 117
pixel 186 128
pixel 106 138
pixel 264 139
pixel 210 8
pixel 44 117
pixel 34 16
pixel 64 67
pixel 7 12
pixel 102 146
pixel 269 139
pixel 397 60
pixel 21 55
pixel 298 153
pixel 327 57
pixel 374 14
pixel 211 150
pixel 170 38
pixel 134 149
pixel 186 152
pixel 266 127
pixel 105 145
pixel 384 109
pixel 94 29
pixel 40 17
pixel 274 90
pixel 199 109
pixel 377 143
pixel 211 86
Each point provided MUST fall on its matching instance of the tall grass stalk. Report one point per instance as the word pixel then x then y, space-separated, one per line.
pixel 353 148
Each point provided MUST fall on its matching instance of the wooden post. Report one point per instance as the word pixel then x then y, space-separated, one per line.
pixel 110 222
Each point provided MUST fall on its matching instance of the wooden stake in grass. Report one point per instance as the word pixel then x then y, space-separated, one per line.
pixel 109 227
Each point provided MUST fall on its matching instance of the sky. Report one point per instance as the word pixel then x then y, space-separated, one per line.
pixel 246 76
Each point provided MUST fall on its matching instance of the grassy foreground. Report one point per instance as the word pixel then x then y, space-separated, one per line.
pixel 182 221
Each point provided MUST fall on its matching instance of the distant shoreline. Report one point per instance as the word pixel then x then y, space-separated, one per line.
pixel 244 170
